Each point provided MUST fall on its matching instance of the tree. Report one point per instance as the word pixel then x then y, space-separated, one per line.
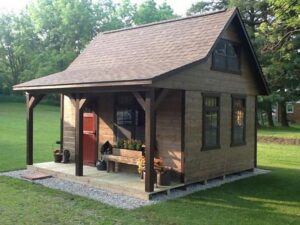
pixel 207 6
pixel 280 37
pixel 148 12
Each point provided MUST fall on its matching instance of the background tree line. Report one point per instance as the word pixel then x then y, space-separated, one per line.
pixel 46 36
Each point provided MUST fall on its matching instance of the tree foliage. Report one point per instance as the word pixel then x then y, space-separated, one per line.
pixel 47 36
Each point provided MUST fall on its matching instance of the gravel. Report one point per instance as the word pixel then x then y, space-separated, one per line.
pixel 125 201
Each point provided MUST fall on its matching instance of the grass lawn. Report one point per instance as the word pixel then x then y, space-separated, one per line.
pixel 285 132
pixel 13 133
pixel 273 198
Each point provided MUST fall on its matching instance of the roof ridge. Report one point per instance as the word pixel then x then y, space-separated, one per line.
pixel 166 21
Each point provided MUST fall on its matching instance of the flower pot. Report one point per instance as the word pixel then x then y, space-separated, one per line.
pixel 58 157
pixel 164 178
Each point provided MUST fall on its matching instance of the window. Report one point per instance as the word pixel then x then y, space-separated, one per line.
pixel 238 121
pixel 289 108
pixel 226 57
pixel 211 121
pixel 129 118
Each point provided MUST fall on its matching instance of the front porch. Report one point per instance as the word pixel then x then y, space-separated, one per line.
pixel 122 182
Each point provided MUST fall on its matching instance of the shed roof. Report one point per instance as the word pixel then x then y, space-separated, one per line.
pixel 139 54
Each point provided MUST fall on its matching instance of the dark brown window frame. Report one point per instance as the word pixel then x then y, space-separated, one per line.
pixel 204 110
pixel 235 97
pixel 227 70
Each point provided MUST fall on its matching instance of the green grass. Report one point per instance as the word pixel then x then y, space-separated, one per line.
pixel 13 133
pixel 285 132
pixel 272 198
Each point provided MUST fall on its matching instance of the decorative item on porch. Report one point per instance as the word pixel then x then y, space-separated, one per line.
pixel 164 176
pixel 58 155
pixel 66 156
pixel 101 165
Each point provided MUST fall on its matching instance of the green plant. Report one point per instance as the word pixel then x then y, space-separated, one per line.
pixel 125 144
pixel 138 145
pixel 120 143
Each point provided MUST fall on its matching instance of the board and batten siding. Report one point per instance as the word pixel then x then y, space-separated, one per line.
pixel 69 127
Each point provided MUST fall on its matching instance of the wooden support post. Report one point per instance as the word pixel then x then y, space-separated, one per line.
pixel 255 134
pixel 61 121
pixel 149 140
pixel 79 104
pixel 31 102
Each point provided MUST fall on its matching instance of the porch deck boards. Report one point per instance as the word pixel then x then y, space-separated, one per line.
pixel 121 182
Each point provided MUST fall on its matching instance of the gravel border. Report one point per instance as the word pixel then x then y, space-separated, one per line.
pixel 125 201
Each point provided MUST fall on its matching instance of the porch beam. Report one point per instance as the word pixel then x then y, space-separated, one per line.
pixel 79 103
pixel 31 102
pixel 149 140
pixel 139 99
pixel 160 98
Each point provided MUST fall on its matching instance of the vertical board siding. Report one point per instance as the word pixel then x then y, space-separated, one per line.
pixel 69 127
pixel 168 130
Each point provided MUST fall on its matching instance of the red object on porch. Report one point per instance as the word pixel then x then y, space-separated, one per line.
pixel 89 139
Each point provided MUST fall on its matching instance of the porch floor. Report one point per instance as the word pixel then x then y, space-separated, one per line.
pixel 121 182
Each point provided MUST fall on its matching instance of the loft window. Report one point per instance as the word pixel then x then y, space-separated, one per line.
pixel 226 57
pixel 238 120
pixel 211 121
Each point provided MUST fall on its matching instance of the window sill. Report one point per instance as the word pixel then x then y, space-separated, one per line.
pixel 207 148
pixel 238 144
pixel 226 71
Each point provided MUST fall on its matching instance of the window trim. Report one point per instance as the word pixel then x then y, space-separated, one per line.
pixel 234 43
pixel 244 142
pixel 218 96
pixel 291 104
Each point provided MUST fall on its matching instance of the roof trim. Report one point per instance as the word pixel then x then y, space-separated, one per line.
pixel 83 85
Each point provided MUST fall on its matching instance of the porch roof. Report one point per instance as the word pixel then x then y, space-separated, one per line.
pixel 139 54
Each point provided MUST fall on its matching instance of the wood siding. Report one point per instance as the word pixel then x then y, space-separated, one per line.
pixel 69 127
pixel 201 77
pixel 202 165
pixel 168 130
pixel 106 119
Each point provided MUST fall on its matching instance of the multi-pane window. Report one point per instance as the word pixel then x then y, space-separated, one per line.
pixel 238 120
pixel 226 57
pixel 211 121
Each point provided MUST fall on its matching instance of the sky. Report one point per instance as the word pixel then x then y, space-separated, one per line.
pixel 179 6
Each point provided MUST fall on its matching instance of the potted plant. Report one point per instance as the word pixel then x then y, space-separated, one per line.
pixel 58 155
pixel 131 144
pixel 141 166
pixel 138 145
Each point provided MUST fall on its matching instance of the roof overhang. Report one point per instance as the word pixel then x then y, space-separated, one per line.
pixel 84 87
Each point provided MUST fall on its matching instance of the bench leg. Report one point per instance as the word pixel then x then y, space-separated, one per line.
pixel 116 167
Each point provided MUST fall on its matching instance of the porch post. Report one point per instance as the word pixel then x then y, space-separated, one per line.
pixel 79 104
pixel 31 102
pixel 149 140
pixel 61 121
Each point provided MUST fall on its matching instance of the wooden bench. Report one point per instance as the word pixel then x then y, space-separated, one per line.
pixel 114 160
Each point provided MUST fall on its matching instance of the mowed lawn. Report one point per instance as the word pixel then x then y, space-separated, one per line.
pixel 13 133
pixel 272 198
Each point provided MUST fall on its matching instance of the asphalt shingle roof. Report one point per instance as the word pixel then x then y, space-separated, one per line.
pixel 141 53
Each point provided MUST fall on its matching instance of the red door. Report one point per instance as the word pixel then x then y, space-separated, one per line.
pixel 89 139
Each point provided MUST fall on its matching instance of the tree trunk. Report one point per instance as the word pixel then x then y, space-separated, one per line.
pixel 283 115
pixel 269 114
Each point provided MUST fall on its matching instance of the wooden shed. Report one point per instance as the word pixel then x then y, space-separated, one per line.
pixel 185 88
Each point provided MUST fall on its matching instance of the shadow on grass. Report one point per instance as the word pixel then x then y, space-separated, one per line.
pixel 273 192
